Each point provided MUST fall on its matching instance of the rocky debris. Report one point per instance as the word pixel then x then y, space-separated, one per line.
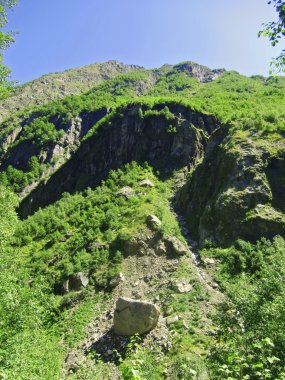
pixel 146 183
pixel 133 317
pixel 172 320
pixel 126 192
pixel 161 248
pixel 115 281
pixel 182 286
pixel 153 221
pixel 174 246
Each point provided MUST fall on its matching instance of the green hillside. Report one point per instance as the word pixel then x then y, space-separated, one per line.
pixel 163 185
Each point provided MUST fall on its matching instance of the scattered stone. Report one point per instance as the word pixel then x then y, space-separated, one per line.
pixel 153 221
pixel 185 325
pixel 182 286
pixel 169 310
pixel 137 294
pixel 209 261
pixel 171 320
pixel 161 248
pixel 214 285
pixel 126 192
pixel 134 317
pixel 146 183
pixel 117 280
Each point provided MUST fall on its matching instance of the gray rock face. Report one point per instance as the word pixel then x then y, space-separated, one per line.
pixel 238 190
pixel 134 317
pixel 128 138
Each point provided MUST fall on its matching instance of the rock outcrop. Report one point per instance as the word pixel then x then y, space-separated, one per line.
pixel 129 137
pixel 238 191
pixel 134 317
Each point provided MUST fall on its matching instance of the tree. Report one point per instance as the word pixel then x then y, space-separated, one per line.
pixel 275 30
pixel 5 41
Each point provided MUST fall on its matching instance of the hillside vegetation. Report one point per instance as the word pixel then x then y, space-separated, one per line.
pixel 172 179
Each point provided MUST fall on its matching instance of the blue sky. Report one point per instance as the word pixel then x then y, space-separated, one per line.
pixel 54 35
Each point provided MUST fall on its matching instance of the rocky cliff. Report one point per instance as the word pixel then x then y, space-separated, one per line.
pixel 237 191
pixel 167 136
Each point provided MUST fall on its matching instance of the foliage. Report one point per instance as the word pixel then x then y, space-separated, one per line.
pixel 275 30
pixel 251 340
pixel 5 41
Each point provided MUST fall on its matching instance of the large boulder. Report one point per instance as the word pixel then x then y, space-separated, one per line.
pixel 174 246
pixel 134 317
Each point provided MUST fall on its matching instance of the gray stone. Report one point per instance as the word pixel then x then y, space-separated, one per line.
pixel 209 261
pixel 153 221
pixel 182 286
pixel 126 192
pixel 161 248
pixel 146 183
pixel 115 281
pixel 134 317
pixel 174 246
pixel 171 320
pixel 78 281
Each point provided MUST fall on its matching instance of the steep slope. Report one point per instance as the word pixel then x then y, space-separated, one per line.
pixel 144 186
pixel 167 136
pixel 59 85
pixel 238 190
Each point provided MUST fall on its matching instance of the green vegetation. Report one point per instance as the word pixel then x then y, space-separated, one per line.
pixel 47 248
pixel 41 321
pixel 251 339
pixel 6 38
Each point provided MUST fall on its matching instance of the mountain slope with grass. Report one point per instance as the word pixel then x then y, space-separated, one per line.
pixel 163 185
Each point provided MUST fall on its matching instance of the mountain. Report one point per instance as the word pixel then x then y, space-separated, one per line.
pixel 165 187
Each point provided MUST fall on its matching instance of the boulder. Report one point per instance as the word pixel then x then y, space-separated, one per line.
pixel 172 320
pixel 182 286
pixel 146 183
pixel 115 281
pixel 126 192
pixel 174 246
pixel 153 221
pixel 209 261
pixel 134 317
pixel 161 248
pixel 77 281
